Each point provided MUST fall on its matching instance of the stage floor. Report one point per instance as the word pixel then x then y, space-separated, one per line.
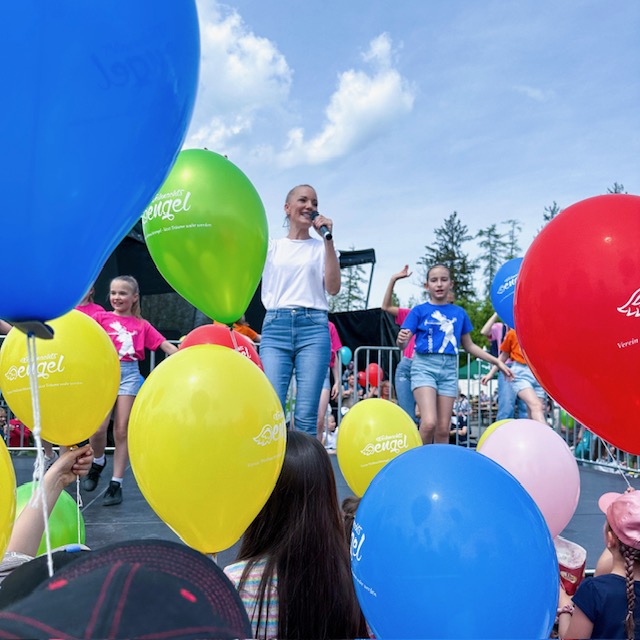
pixel 134 518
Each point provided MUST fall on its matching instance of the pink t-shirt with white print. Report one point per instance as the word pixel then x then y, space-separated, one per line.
pixel 408 351
pixel 130 335
pixel 90 309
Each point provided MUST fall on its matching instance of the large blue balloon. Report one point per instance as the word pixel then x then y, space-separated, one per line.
pixel 448 544
pixel 97 97
pixel 503 289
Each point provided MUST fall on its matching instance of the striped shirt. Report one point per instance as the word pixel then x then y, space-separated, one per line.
pixel 267 627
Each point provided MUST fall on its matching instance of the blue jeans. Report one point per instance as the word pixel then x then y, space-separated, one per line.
pixel 297 339
pixel 403 388
pixel 507 400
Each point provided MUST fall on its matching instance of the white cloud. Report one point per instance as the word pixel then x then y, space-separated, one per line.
pixel 364 106
pixel 241 74
pixel 539 95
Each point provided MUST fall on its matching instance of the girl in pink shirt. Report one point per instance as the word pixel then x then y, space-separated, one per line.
pixel 88 306
pixel 130 334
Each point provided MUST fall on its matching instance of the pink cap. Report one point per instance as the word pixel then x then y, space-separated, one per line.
pixel 623 515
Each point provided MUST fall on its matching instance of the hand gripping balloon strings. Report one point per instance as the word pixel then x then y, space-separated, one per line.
pixel 616 462
pixel 39 469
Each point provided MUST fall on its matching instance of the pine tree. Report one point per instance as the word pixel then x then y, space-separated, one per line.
pixel 616 188
pixel 351 296
pixel 551 212
pixel 448 249
pixel 512 250
pixel 491 241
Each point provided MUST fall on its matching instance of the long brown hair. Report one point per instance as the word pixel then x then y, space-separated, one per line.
pixel 300 534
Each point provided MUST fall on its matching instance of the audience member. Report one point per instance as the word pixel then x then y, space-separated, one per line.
pixel 29 525
pixel 138 589
pixel 604 606
pixel 293 573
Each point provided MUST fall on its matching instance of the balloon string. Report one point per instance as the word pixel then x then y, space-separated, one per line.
pixel 233 339
pixel 617 463
pixel 39 467
pixel 79 506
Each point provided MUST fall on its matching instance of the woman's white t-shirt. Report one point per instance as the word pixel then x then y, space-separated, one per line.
pixel 294 275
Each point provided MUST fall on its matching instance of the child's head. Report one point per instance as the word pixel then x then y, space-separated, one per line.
pixel 88 297
pixel 331 422
pixel 623 516
pixel 124 296
pixel 303 500
pixel 622 535
pixel 439 283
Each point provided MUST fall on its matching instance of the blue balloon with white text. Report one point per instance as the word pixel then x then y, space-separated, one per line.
pixel 503 289
pixel 442 545
pixel 97 100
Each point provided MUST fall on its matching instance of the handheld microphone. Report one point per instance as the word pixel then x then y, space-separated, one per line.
pixel 324 230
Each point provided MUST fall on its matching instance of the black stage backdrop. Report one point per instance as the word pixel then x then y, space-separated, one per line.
pixel 174 317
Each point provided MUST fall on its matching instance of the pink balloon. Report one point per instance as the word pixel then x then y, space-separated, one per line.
pixel 543 464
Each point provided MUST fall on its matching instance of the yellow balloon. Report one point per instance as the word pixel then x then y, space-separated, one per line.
pixel 207 439
pixel 373 432
pixel 7 497
pixel 78 378
pixel 489 430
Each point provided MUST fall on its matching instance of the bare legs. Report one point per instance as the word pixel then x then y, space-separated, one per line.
pixel 435 415
pixel 121 413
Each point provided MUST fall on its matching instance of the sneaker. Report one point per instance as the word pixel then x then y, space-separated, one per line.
pixel 113 495
pixel 90 481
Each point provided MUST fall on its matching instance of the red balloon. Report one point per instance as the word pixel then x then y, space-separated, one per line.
pixel 221 334
pixel 373 374
pixel 362 378
pixel 577 310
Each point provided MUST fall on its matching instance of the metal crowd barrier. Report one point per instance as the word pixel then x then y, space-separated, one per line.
pixel 588 448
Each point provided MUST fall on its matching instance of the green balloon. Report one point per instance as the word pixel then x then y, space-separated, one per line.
pixel 63 521
pixel 566 420
pixel 207 233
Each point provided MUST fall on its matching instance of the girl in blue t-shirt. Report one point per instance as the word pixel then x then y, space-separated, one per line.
pixel 440 329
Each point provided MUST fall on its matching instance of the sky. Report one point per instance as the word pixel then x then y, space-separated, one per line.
pixel 400 113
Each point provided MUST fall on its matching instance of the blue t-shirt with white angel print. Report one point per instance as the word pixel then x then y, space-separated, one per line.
pixel 438 328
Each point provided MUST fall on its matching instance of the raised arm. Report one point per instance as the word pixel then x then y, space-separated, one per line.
pixel 486 328
pixel 387 304
pixel 29 525
pixel 331 262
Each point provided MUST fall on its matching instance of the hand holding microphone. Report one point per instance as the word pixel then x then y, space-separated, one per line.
pixel 324 231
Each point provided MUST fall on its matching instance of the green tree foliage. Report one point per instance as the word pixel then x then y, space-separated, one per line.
pixel 616 188
pixel 493 246
pixel 512 249
pixel 352 295
pixel 448 249
pixel 550 212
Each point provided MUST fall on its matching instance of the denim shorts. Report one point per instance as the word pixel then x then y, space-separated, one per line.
pixel 327 381
pixel 524 379
pixel 436 370
pixel 130 381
